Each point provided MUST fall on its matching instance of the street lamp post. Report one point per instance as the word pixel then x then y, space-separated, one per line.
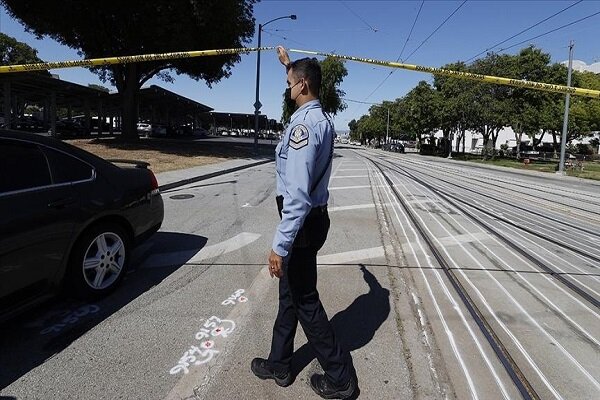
pixel 563 139
pixel 257 104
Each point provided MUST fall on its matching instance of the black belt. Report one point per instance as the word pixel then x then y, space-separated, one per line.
pixel 319 210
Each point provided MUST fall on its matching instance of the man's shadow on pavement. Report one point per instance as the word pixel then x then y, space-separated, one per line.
pixel 356 325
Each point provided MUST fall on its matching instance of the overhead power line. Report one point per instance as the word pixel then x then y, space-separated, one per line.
pixel 360 102
pixel 283 37
pixel 403 47
pixel 320 30
pixel 422 43
pixel 359 17
pixel 550 31
pixel 523 31
pixel 436 29
pixel 411 31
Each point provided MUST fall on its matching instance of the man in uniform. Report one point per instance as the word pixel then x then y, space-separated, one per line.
pixel 303 163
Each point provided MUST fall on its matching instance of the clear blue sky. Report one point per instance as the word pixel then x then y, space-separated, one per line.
pixel 371 29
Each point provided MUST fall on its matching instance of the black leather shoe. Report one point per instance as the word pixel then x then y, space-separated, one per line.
pixel 261 368
pixel 321 385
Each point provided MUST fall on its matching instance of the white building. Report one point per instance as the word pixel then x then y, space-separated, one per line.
pixel 474 140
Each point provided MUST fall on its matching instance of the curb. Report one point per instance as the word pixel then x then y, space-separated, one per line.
pixel 199 178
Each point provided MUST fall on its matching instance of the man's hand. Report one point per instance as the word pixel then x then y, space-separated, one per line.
pixel 283 55
pixel 275 265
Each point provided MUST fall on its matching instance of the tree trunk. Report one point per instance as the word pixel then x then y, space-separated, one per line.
pixel 495 133
pixel 461 136
pixel 536 141
pixel 486 140
pixel 129 103
pixel 555 143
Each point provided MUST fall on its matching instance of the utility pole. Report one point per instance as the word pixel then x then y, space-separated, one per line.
pixel 563 139
pixel 387 132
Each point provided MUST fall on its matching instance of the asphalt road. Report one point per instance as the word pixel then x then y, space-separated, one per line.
pixel 198 303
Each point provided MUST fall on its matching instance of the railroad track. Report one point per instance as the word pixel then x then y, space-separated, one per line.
pixel 442 189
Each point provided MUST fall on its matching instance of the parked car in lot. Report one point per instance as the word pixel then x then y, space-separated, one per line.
pixel 200 132
pixel 68 128
pixel 158 130
pixel 69 219
pixel 183 130
pixel 144 129
pixel 29 123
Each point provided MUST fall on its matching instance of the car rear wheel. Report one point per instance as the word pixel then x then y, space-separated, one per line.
pixel 99 260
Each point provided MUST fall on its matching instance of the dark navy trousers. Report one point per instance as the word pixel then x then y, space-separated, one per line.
pixel 299 302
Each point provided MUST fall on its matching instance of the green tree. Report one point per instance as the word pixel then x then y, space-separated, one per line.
pixel 331 96
pixel 584 113
pixel 379 112
pixel 492 101
pixel 101 28
pixel 457 101
pixel 333 73
pixel 353 126
pixel 399 123
pixel 423 109
pixel 552 108
pixel 370 128
pixel 525 117
pixel 14 52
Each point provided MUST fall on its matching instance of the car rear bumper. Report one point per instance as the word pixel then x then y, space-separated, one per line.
pixel 147 234
pixel 153 214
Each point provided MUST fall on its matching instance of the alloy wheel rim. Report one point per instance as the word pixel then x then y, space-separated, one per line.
pixel 103 260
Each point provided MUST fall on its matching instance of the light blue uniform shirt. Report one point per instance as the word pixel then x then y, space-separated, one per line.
pixel 301 157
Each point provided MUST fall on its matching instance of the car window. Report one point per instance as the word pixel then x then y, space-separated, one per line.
pixel 22 166
pixel 66 168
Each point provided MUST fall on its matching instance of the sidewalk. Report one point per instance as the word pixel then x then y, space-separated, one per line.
pixel 170 179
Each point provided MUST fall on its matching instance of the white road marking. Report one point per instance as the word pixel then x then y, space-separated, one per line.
pixel 449 241
pixel 216 250
pixel 463 238
pixel 227 246
pixel 352 169
pixel 354 207
pixel 352 187
pixel 349 176
pixel 352 256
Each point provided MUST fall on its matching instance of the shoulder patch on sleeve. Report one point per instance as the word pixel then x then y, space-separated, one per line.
pixel 299 137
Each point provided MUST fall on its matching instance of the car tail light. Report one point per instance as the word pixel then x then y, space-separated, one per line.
pixel 155 189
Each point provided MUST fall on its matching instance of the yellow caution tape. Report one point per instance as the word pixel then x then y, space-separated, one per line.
pixel 99 62
pixel 548 87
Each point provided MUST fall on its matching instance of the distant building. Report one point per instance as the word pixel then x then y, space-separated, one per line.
pixel 474 141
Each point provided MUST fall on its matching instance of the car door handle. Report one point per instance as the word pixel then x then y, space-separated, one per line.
pixel 61 203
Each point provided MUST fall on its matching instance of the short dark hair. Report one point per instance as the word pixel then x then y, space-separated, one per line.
pixel 309 69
